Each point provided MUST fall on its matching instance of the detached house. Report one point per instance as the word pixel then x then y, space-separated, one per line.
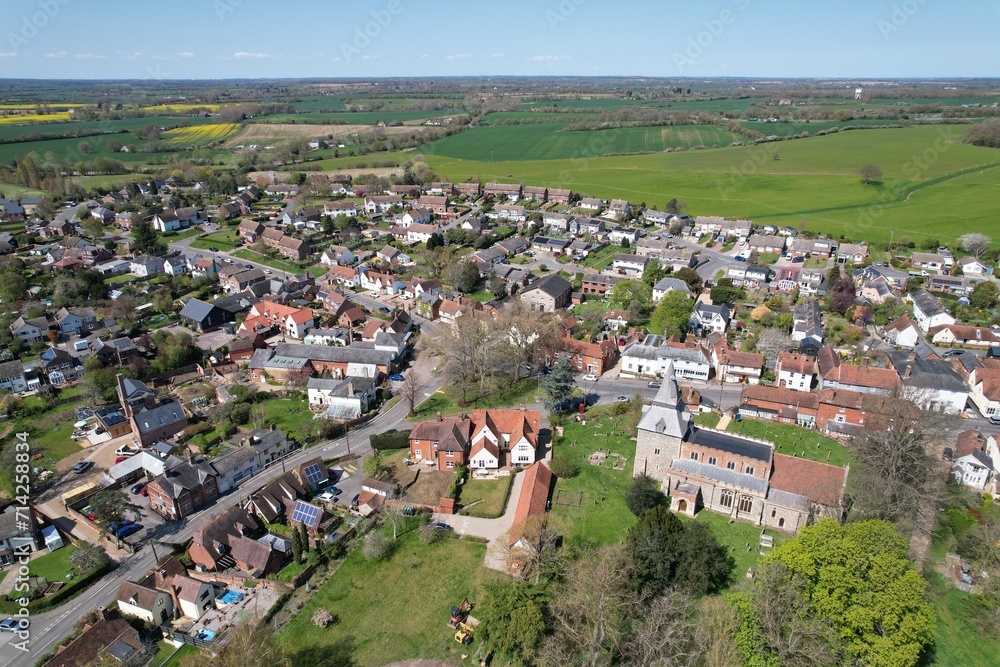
pixel 710 318
pixel 486 440
pixel 928 312
pixel 548 294
pixel 971 465
pixel 292 322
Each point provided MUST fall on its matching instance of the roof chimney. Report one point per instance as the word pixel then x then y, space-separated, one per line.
pixel 912 355
pixel 909 369
pixel 440 417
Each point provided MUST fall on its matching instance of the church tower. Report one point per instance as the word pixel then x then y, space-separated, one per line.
pixel 664 425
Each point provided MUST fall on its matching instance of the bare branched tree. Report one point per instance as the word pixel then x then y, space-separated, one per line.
pixel 896 458
pixel 410 390
pixel 664 635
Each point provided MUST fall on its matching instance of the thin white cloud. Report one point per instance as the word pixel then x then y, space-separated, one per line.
pixel 425 56
pixel 11 54
pixel 458 56
pixel 89 56
pixel 496 55
pixel 247 54
pixel 335 59
pixel 130 56
pixel 549 58
pixel 56 54
pixel 185 54
pixel 370 57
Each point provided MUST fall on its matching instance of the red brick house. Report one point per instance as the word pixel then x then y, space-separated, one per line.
pixel 589 357
pixel 445 440
pixel 183 489
pixel 438 205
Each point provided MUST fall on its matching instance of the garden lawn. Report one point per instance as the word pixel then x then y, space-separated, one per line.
pixel 280 264
pixel 53 566
pixel 393 609
pixel 286 414
pixel 492 493
pixel 223 240
pixel 446 400
pixel 602 515
pixel 709 419
pixel 52 435
pixel 789 439
pixel 735 536
pixel 600 259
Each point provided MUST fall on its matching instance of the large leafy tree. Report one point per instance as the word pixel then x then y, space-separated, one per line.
pixel 667 552
pixel 145 237
pixel 984 296
pixel 511 617
pixel 859 577
pixel 643 495
pixel 626 291
pixel 671 316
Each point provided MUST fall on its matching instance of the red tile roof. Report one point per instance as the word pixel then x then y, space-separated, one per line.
pixel 534 496
pixel 819 482
pixel 797 363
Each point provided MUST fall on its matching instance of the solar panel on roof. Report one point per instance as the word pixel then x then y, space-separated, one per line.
pixel 313 473
pixel 305 513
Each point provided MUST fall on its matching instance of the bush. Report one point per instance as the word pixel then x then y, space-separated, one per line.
pixel 391 440
pixel 643 495
pixel 564 467
pixel 376 546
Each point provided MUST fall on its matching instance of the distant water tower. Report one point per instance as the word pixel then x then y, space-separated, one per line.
pixel 857 93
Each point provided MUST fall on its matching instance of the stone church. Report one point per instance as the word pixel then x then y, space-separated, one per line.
pixel 703 468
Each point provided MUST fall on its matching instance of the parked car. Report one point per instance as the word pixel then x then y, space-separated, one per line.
pixel 137 488
pixel 119 459
pixel 948 454
pixel 373 295
pixel 798 260
pixel 383 309
pixel 396 377
pixel 591 377
pixel 82 467
pixel 130 529
pixel 441 526
pixel 622 399
pixel 213 249
pixel 740 258
pixel 267 271
pixel 654 385
pixel 13 624
pixel 126 451
pixel 249 266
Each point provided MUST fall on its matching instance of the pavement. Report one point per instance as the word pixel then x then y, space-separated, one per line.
pixel 488 529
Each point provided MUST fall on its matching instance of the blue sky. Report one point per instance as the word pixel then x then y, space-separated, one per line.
pixel 209 39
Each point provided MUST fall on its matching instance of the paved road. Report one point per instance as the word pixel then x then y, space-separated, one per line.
pixel 608 388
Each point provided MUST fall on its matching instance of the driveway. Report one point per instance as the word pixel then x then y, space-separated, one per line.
pixel 488 529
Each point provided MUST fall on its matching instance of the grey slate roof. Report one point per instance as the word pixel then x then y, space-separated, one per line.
pixel 11 369
pixel 667 283
pixel 158 417
pixel 724 475
pixel 349 354
pixel 553 284
pixel 667 415
pixel 734 444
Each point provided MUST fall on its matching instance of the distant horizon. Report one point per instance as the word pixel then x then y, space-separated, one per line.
pixel 208 40
pixel 867 79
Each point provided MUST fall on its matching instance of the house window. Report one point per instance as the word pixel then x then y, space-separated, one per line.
pixel 694 456
pixel 449 464
pixel 450 455
pixel 774 513
pixel 749 470
pixel 746 503
pixel 656 452
pixel 730 465
pixel 781 522
pixel 711 460
pixel 726 498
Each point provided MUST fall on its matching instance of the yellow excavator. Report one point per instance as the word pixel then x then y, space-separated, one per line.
pixel 463 622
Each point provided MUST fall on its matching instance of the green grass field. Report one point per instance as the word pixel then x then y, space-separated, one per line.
pixel 961 637
pixel 933 184
pixel 486 495
pixel 446 400
pixel 279 264
pixel 789 439
pixel 390 610
pixel 84 126
pixel 591 506
pixel 550 141
pixel 201 135
pixel 224 240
